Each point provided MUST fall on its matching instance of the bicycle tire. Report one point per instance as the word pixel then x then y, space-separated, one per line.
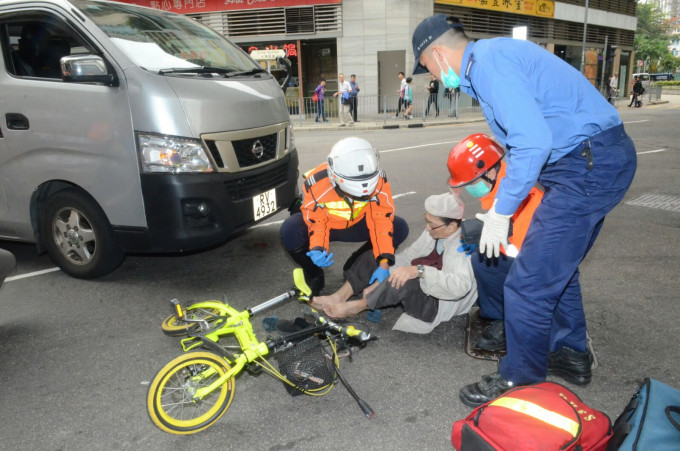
pixel 172 327
pixel 169 399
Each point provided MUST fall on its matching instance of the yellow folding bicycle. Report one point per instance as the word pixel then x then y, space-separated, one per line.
pixel 194 390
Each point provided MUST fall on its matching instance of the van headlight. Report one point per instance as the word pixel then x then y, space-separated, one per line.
pixel 290 137
pixel 172 154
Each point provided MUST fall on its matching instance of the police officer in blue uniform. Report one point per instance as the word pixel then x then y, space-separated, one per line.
pixel 558 130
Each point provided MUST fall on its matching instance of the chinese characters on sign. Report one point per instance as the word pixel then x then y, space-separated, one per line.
pixel 206 6
pixel 540 8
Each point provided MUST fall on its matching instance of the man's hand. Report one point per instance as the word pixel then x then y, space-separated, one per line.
pixel 321 258
pixel 494 232
pixel 402 275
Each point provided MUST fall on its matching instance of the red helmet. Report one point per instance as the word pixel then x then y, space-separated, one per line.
pixel 471 158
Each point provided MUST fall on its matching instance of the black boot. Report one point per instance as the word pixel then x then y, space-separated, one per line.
pixel 490 387
pixel 571 365
pixel 313 274
pixel 492 338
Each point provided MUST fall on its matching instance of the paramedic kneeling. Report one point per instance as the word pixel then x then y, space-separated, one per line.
pixel 557 130
pixel 346 199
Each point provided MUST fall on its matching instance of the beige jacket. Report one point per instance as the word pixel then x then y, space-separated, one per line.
pixel 454 285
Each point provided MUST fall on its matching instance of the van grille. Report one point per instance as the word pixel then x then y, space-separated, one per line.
pixel 249 186
pixel 244 150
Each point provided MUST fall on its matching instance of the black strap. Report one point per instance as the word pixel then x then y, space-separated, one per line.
pixel 674 422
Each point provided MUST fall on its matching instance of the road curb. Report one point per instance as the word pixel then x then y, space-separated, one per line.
pixel 382 126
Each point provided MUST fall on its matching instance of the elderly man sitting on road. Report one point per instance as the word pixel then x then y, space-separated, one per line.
pixel 430 279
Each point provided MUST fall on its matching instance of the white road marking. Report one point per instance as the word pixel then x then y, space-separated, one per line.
pixel 652 151
pixel 416 147
pixel 397 196
pixel 31 274
pixel 636 122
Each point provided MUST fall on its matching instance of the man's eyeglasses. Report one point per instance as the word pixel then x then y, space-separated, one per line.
pixel 431 226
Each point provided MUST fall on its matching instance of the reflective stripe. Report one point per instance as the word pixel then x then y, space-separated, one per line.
pixel 341 209
pixel 538 412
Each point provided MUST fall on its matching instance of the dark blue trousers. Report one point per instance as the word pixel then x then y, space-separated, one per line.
pixel 295 235
pixel 543 304
pixel 490 275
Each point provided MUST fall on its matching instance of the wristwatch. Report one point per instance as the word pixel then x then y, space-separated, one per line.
pixel 421 271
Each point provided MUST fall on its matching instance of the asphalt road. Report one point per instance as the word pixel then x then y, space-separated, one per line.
pixel 76 356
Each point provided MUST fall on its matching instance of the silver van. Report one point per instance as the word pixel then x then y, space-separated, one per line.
pixel 131 130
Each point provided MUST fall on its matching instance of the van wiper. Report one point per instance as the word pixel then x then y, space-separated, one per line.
pixel 194 70
pixel 254 71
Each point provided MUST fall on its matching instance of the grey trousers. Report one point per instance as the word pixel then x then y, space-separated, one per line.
pixel 411 297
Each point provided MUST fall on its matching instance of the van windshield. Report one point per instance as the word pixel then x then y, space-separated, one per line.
pixel 163 42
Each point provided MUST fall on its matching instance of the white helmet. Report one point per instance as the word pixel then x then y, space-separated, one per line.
pixel 353 167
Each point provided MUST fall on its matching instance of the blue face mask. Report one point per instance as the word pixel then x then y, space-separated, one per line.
pixel 478 189
pixel 450 79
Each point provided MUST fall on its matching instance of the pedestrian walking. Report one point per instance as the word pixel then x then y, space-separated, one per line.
pixel 408 99
pixel 344 92
pixel 320 93
pixel 433 97
pixel 557 130
pixel 402 88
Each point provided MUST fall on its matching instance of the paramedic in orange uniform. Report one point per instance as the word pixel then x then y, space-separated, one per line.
pixel 345 199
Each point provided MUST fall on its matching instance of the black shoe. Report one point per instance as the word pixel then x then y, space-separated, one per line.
pixel 490 387
pixel 571 365
pixel 296 325
pixel 492 338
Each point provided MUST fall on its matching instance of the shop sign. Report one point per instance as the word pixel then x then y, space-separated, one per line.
pixel 539 8
pixel 207 6
pixel 267 55
pixel 287 50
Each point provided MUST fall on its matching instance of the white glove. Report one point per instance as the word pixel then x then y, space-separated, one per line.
pixel 494 232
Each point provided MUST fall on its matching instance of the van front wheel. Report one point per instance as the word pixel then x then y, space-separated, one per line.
pixel 78 235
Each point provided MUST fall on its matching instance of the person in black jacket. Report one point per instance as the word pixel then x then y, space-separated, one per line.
pixel 638 90
pixel 433 88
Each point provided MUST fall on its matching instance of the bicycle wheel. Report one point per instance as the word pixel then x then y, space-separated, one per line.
pixel 170 401
pixel 174 328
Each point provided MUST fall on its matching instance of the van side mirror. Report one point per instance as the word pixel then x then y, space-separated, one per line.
pixel 86 69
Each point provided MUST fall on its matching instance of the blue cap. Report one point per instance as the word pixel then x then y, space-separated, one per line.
pixel 429 30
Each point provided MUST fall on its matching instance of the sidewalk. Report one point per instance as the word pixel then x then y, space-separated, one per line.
pixel 380 122
pixel 391 122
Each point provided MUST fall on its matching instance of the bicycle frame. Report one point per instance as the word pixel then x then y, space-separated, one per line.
pixel 237 323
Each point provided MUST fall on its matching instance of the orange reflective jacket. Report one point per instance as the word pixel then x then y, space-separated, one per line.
pixel 325 208
pixel 523 214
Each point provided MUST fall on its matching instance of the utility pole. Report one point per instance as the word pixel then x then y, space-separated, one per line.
pixel 603 88
pixel 583 47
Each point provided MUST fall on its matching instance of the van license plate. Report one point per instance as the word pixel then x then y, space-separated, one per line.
pixel 264 204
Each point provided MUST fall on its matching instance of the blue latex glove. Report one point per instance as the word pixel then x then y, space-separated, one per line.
pixel 467 248
pixel 322 259
pixel 379 275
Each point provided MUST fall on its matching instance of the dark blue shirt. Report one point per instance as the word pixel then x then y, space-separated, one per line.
pixel 537 105
pixel 354 89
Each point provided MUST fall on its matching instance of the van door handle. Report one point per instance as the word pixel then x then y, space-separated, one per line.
pixel 16 121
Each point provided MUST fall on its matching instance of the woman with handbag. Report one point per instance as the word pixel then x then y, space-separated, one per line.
pixel 318 98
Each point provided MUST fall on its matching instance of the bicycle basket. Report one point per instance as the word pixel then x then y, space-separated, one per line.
pixel 305 365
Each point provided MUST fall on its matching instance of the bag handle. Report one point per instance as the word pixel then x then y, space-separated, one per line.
pixel 674 422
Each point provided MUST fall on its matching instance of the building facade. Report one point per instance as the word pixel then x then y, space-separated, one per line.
pixel 372 38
